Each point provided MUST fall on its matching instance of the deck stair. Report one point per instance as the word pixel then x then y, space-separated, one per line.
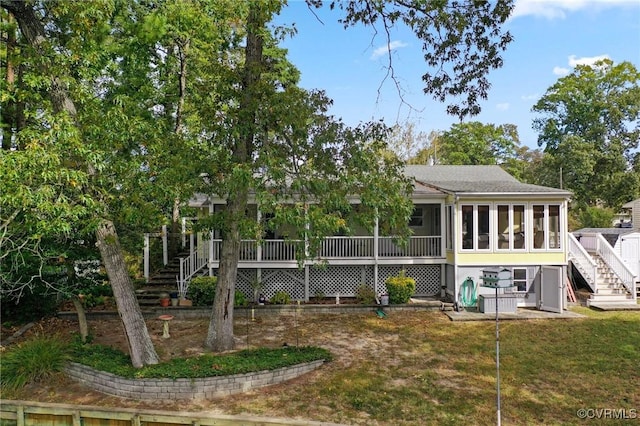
pixel 609 289
pixel 162 281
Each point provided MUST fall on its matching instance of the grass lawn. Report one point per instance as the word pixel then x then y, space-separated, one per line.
pixel 428 370
pixel 417 368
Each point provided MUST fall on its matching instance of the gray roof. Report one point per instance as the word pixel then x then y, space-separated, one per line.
pixel 609 234
pixel 630 204
pixel 476 179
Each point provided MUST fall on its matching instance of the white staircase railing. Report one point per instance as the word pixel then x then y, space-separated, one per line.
pixel 611 258
pixel 189 266
pixel 582 260
pixel 596 243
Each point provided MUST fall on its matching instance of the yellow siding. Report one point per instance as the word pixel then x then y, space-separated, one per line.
pixel 543 258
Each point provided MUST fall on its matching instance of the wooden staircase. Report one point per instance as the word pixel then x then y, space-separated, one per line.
pixel 609 289
pixel 163 281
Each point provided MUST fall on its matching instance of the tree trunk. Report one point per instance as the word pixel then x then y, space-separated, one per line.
pixel 141 347
pixel 82 318
pixel 220 334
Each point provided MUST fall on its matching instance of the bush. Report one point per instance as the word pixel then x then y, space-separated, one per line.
pixel 32 361
pixel 280 298
pixel 366 295
pixel 240 299
pixel 400 288
pixel 202 290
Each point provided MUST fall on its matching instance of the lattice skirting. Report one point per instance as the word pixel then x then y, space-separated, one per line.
pixel 428 277
pixel 330 281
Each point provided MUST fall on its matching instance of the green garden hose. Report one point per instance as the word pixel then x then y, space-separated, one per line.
pixel 468 295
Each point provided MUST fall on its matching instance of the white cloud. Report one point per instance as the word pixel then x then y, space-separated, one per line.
pixel 561 71
pixel 533 96
pixel 574 61
pixel 383 50
pixel 585 60
pixel 558 9
pixel 503 106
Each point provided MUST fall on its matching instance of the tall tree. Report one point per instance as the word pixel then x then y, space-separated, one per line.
pixel 589 124
pixel 35 37
pixel 476 143
pixel 273 141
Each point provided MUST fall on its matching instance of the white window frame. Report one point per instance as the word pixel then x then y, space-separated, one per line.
pixel 510 218
pixel 476 227
pixel 545 226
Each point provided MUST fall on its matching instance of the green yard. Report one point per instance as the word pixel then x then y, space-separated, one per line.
pixel 420 368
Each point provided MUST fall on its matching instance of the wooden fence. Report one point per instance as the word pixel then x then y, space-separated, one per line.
pixel 28 413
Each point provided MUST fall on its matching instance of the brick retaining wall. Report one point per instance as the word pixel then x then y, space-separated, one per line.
pixel 200 388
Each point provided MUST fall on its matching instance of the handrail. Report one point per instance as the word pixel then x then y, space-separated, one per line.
pixel 583 261
pixel 191 265
pixel 611 258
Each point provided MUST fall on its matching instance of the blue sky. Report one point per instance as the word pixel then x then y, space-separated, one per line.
pixel 550 38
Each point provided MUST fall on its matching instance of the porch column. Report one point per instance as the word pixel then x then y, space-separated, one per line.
pixel 375 255
pixel 306 283
pixel 145 255
pixel 210 265
pixel 306 231
pixel 259 246
pixel 184 230
pixel 165 246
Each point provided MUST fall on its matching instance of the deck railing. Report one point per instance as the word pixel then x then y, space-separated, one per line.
pixel 354 247
pixel 596 243
pixel 582 260
pixel 611 258
pixel 417 247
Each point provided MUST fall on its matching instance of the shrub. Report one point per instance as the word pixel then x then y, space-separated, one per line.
pixel 400 288
pixel 280 298
pixel 202 290
pixel 33 360
pixel 366 295
pixel 240 299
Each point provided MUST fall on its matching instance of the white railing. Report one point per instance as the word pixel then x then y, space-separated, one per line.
pixel 346 248
pixel 611 258
pixel 416 247
pixel 191 265
pixel 583 261
pixel 355 247
pixel 596 243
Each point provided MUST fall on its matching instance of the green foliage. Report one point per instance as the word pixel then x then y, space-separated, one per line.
pixel 596 217
pixel 33 360
pixel 240 299
pixel 107 359
pixel 202 290
pixel 35 303
pixel 400 288
pixel 476 143
pixel 366 294
pixel 280 298
pixel 587 125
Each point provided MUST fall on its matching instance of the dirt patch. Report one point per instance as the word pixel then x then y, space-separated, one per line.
pixel 347 343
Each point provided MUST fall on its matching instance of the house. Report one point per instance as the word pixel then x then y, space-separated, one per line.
pixel 466 219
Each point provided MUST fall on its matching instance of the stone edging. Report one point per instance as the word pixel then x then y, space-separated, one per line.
pixel 207 387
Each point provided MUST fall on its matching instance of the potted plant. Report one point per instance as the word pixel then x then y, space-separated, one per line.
pixel 164 299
